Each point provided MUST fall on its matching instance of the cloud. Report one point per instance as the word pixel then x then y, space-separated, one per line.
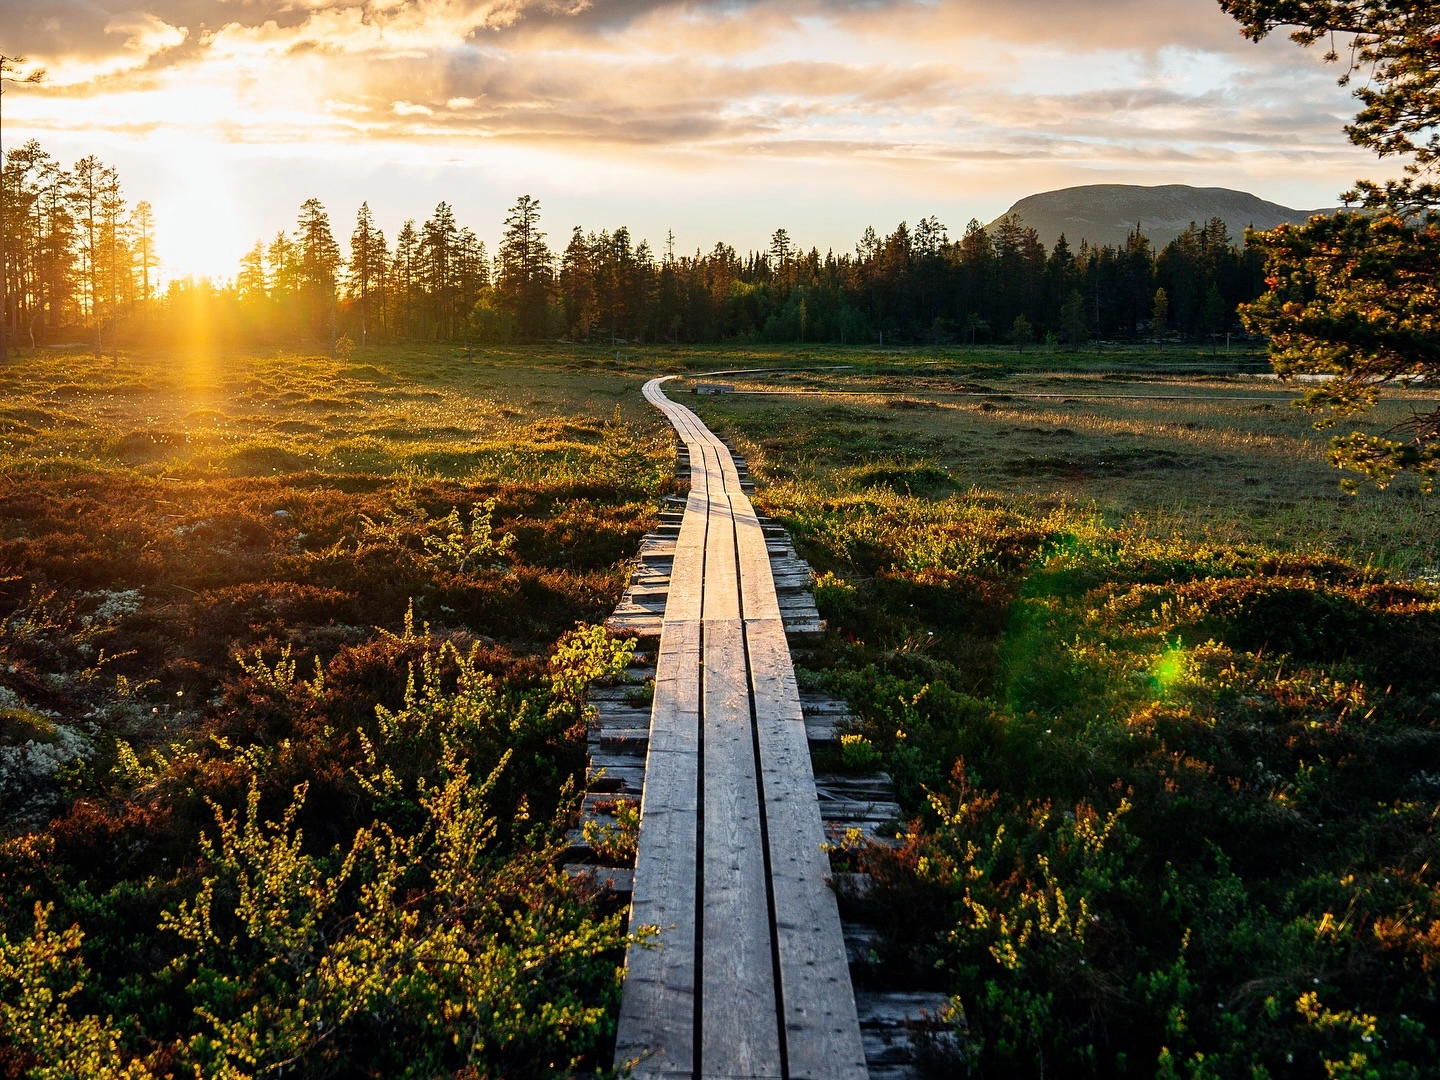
pixel 145 34
pixel 645 70
pixel 929 94
pixel 63 32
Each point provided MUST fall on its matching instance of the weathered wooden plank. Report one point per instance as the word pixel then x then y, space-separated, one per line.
pixel 803 634
pixel 618 738
pixel 874 832
pixel 804 627
pixel 641 626
pixel 740 1035
pixel 874 787
pixel 787 582
pixel 860 814
pixel 657 1009
pixel 632 605
pixel 822 729
pixel 817 702
pixel 613 879
pixel 722 591
pixel 687 577
pixel 822 1034
pixel 899 1008
pixel 885 1071
pixel 614 699
pixel 615 775
pixel 648 591
pixel 633 741
pixel 757 585
pixel 860 941
pixel 625 706
pixel 786 565
pixel 600 805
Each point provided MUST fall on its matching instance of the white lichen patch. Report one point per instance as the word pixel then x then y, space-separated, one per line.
pixel 114 605
pixel 30 770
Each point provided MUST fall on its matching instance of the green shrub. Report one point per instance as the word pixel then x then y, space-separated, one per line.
pixel 858 754
pixel 1172 803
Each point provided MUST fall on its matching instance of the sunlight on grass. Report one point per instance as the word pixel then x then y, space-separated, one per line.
pixel 1139 661
pixel 1237 472
pixel 307 629
pixel 1169 669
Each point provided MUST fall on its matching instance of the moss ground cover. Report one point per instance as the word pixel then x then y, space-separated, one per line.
pixel 291 710
pixel 1172 780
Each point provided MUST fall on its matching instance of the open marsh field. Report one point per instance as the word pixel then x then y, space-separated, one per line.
pixel 290 709
pixel 292 656
pixel 1159 699
pixel 1222 457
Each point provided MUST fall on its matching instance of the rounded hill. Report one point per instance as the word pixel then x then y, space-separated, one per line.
pixel 1108 213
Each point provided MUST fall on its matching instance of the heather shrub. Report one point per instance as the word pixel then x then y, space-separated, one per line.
pixel 292 721
pixel 1170 803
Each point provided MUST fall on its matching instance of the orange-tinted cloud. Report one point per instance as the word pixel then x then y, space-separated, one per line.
pixel 931 95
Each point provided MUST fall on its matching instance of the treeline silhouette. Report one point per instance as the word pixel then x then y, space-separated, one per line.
pixel 79 259
pixel 80 264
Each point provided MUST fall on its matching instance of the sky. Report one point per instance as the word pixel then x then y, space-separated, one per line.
pixel 712 120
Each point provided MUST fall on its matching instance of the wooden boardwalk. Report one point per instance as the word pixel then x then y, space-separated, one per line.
pixel 749 978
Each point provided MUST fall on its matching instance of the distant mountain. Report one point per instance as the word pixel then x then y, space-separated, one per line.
pixel 1106 213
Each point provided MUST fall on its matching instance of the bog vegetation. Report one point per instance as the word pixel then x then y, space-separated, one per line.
pixel 292 718
pixel 293 650
pixel 1171 781
pixel 292 663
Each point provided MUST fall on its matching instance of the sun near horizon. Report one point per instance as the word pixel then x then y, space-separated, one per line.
pixel 709 121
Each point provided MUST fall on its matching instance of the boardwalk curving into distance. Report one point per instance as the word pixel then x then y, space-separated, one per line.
pixel 749 978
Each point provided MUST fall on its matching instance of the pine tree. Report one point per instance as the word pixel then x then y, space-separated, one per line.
pixel 146 261
pixel 1074 324
pixel 367 264
pixel 250 281
pixel 1357 296
pixel 472 275
pixel 525 267
pixel 405 276
pixel 85 196
pixel 439 237
pixel 283 261
pixel 1160 313
pixel 577 286
pixel 1021 333
pixel 318 263
pixel 114 252
pixel 23 167
pixel 56 239
pixel 781 249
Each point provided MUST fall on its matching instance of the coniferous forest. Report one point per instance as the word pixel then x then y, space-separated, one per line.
pixel 84 269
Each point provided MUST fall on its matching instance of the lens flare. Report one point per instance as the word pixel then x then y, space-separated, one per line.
pixel 1170 669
